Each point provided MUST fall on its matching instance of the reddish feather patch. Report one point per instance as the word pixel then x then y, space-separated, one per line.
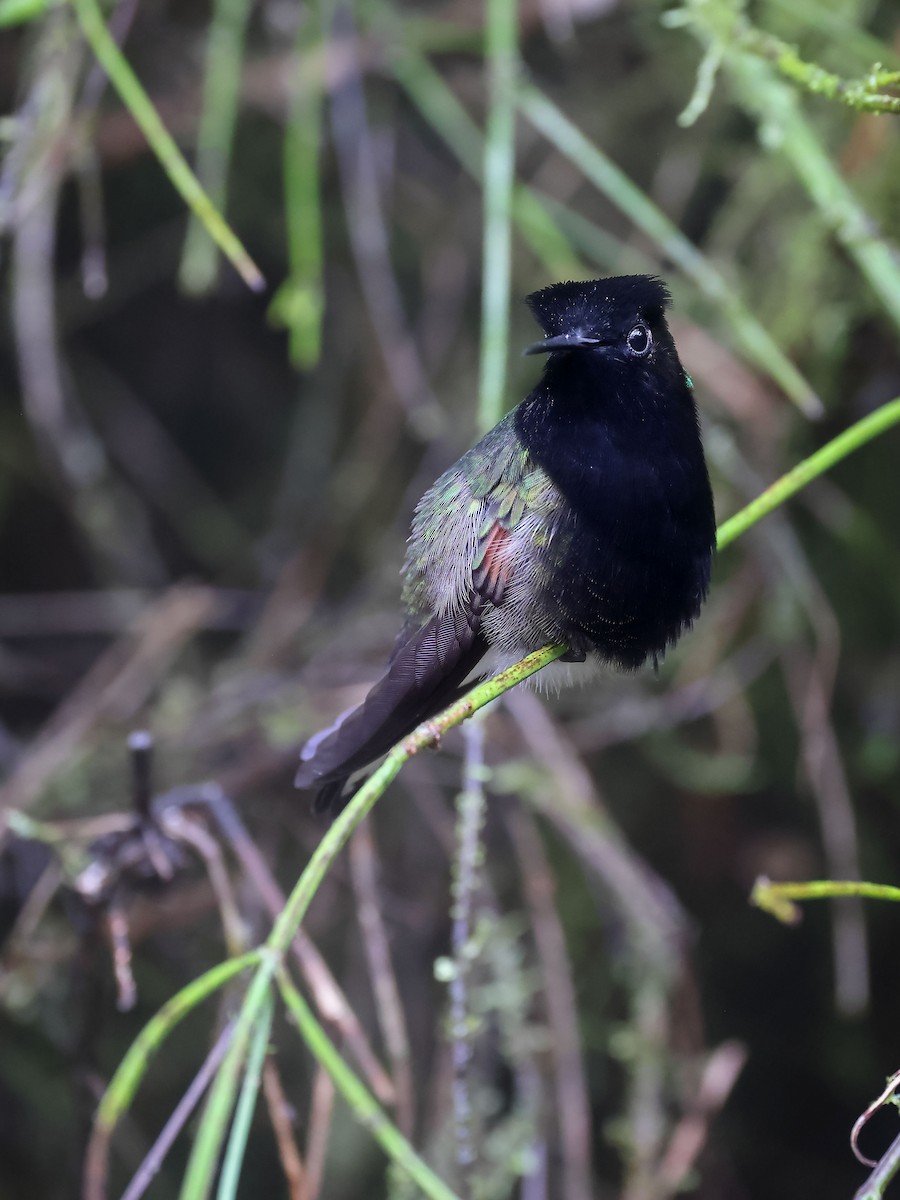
pixel 492 574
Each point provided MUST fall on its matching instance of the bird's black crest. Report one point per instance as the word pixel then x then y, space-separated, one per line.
pixel 589 304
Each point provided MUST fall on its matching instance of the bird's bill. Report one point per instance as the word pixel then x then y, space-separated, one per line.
pixel 563 341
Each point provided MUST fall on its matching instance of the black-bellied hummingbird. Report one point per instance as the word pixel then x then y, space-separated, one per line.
pixel 584 518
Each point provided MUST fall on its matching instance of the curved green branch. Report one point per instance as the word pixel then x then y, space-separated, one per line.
pixel 809 469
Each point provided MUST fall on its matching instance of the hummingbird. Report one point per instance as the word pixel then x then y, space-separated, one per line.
pixel 583 518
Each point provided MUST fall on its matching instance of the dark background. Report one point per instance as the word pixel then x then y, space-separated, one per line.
pixel 165 465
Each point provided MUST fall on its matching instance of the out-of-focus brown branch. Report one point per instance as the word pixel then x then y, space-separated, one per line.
pixel 655 923
pixel 363 866
pixel 654 917
pixel 281 1116
pixel 368 235
pixel 319 1127
pixel 573 1111
pixel 109 517
pixel 824 769
pixel 720 1073
pixel 327 994
pixel 113 689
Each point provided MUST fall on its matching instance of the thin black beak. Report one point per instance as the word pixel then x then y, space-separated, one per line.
pixel 564 341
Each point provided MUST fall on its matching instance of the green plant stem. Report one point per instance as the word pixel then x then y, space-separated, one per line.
pixel 161 142
pixel 539 220
pixel 755 342
pixel 18 12
pixel 725 28
pixel 215 135
pixel 777 899
pixel 499 175
pixel 122 1087
pixel 124 1084
pixel 776 104
pixel 207 1147
pixel 468 860
pixel 361 1101
pixel 211 1133
pixel 240 1129
pixel 299 304
pixel 842 28
pixel 860 94
pixel 441 109
pixel 268 958
pixel 811 468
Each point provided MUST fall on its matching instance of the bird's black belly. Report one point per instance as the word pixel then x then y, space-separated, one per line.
pixel 627 599
pixel 630 562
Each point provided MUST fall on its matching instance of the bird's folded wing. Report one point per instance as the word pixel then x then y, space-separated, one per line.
pixel 426 673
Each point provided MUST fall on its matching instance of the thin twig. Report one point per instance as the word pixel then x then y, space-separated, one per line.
pixel 887 1168
pixel 281 1114
pixel 149 1168
pixel 572 1094
pixel 181 828
pixel 363 866
pixel 115 685
pixel 719 1076
pixel 467 867
pixel 161 142
pixel 321 1110
pixel 810 468
pixel 365 222
pixel 824 769
pixel 499 173
pixel 117 927
pixel 329 998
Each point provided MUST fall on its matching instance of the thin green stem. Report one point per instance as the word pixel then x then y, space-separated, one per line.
pixel 125 1082
pixel 468 861
pixel 427 734
pixel 811 468
pixel 777 105
pixel 122 1087
pixel 860 94
pixel 299 304
pixel 161 142
pixel 18 12
pixel 211 1134
pixel 777 899
pixel 240 1129
pixel 441 109
pixel 215 135
pixel 362 1103
pixel 268 958
pixel 207 1148
pixel 499 175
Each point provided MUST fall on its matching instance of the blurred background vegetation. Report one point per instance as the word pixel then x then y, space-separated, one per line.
pixel 204 495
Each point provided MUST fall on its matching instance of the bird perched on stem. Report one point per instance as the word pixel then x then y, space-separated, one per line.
pixel 584 518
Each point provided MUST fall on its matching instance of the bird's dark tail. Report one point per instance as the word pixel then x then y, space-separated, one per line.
pixel 427 671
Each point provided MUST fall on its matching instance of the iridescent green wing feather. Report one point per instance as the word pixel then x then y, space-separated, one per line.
pixel 460 547
pixel 458 563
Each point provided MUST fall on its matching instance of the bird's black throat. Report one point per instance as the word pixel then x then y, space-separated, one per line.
pixel 628 568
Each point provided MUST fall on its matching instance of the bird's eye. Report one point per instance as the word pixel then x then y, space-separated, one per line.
pixel 639 341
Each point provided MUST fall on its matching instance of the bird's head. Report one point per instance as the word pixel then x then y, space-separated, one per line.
pixel 621 318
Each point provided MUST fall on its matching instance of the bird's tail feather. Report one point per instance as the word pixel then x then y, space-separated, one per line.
pixel 426 672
